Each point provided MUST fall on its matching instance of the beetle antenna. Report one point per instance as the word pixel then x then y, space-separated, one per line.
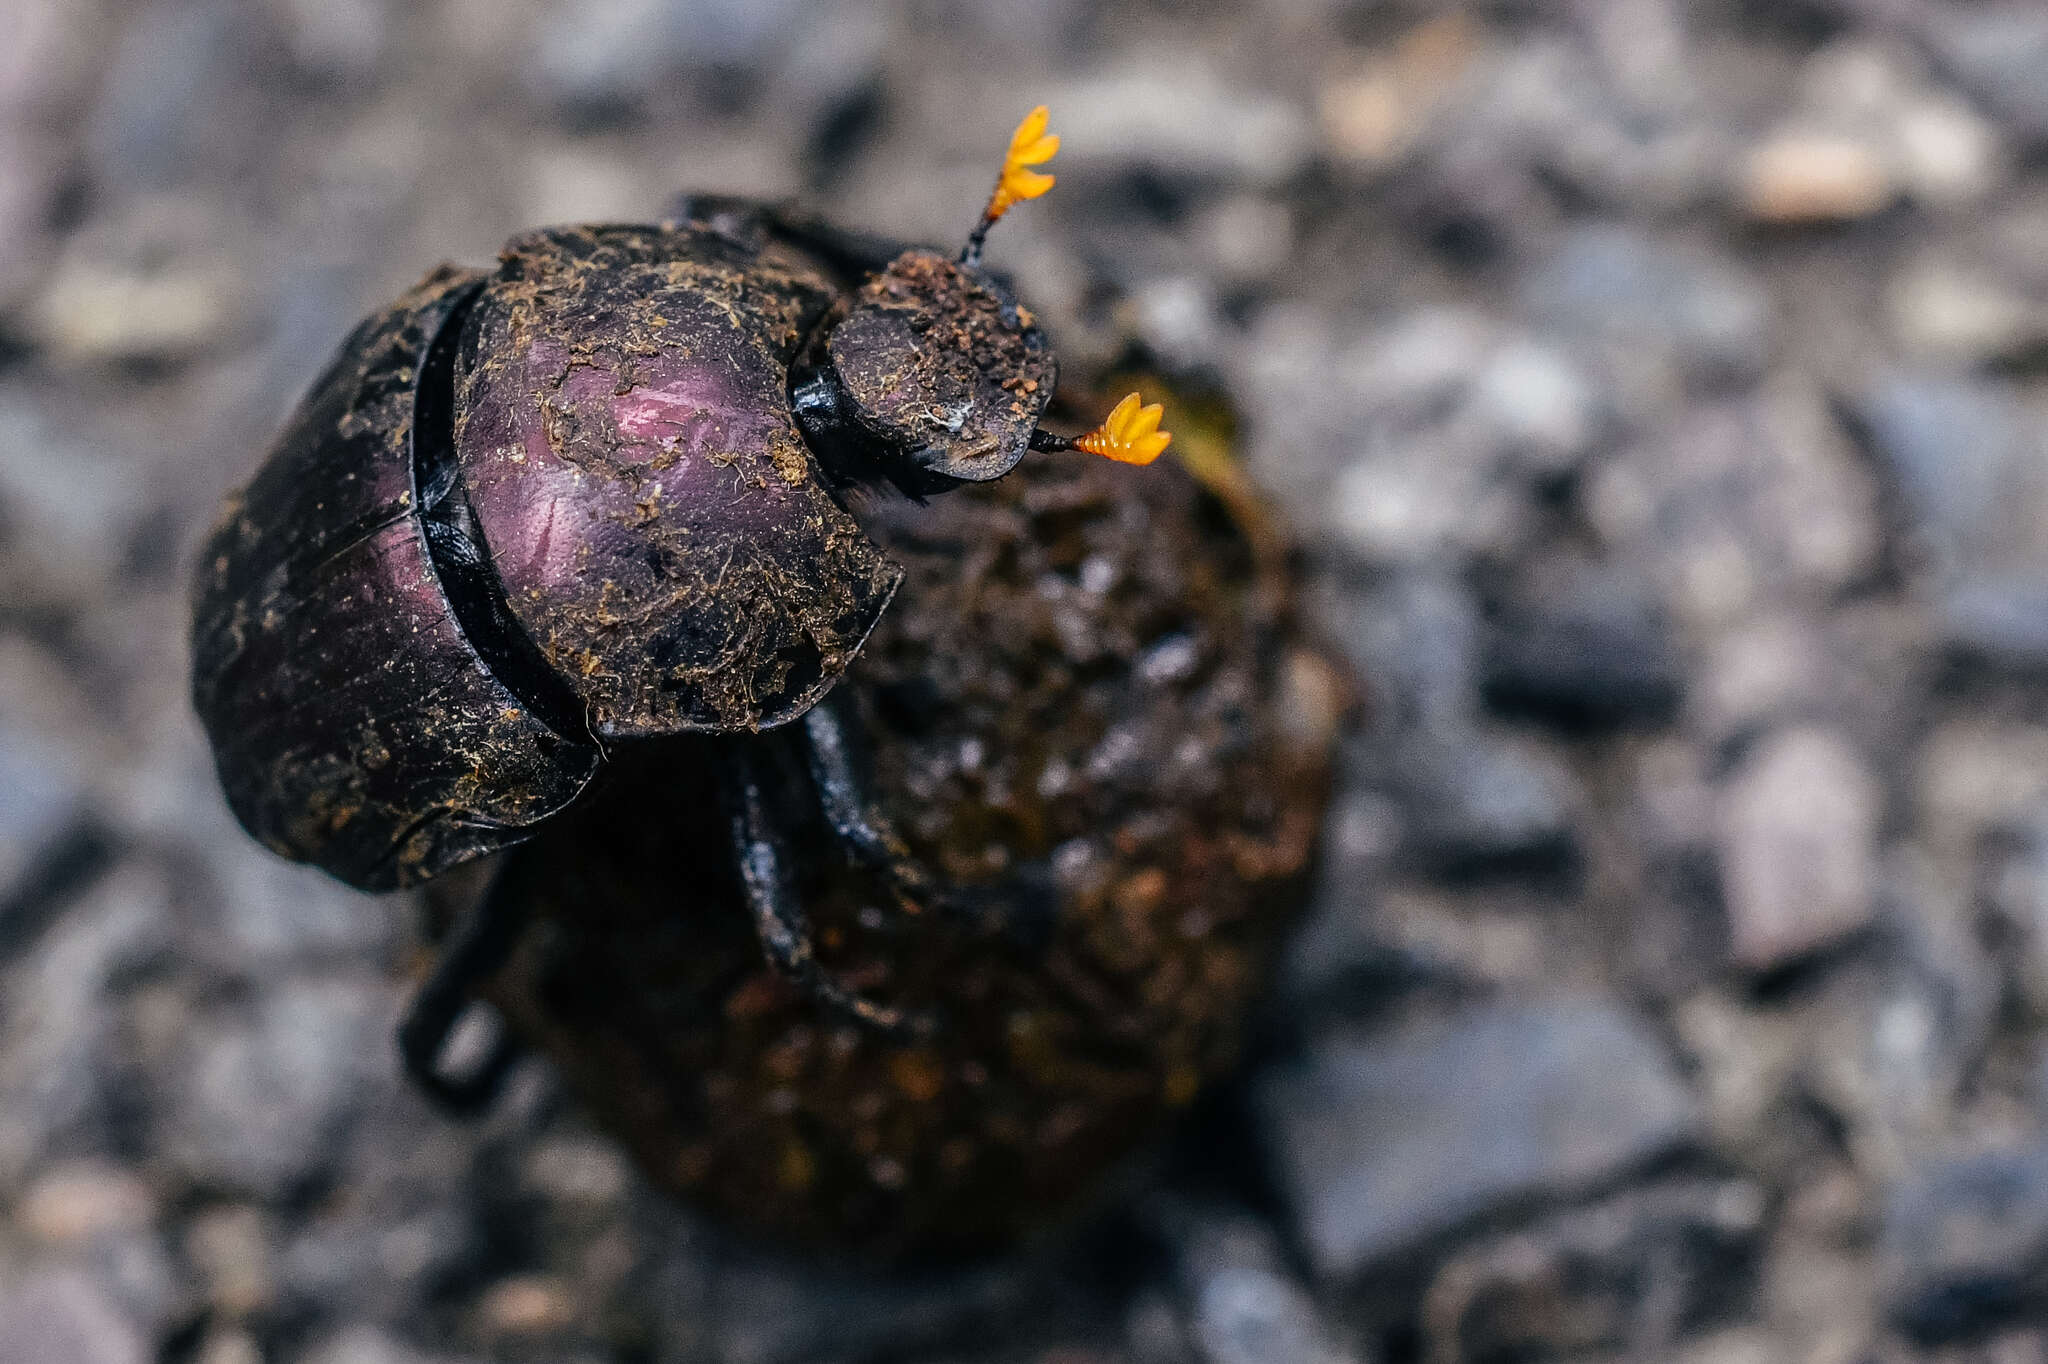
pixel 1130 434
pixel 1031 145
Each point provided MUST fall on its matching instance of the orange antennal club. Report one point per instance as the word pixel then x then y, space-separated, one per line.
pixel 1031 145
pixel 1130 434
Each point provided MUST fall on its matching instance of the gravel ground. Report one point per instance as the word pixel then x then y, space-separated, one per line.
pixel 1660 392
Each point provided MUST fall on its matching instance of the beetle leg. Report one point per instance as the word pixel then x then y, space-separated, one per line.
pixel 1023 909
pixel 479 943
pixel 779 917
pixel 862 830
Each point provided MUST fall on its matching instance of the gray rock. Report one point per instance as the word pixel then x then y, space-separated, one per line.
pixel 28 182
pixel 1738 504
pixel 1999 53
pixel 69 504
pixel 368 1345
pixel 1969 313
pixel 52 50
pixel 160 89
pixel 1381 1139
pixel 150 281
pixel 1177 318
pixel 1154 1332
pixel 1339 952
pixel 1417 637
pixel 616 50
pixel 770 1316
pixel 1956 450
pixel 1633 1273
pixel 1886 1042
pixel 1173 112
pixel 1797 834
pixel 141 1277
pixel 381 1261
pixel 1242 1306
pixel 59 1052
pixel 1642 302
pixel 1384 442
pixel 2016 895
pixel 264 915
pixel 52 47
pixel 262 1099
pixel 1965 1243
pixel 44 805
pixel 1996 623
pixel 62 1317
pixel 228 1345
pixel 619 51
pixel 728 1304
pixel 1771 668
pixel 336 38
pixel 415 1208
pixel 1544 412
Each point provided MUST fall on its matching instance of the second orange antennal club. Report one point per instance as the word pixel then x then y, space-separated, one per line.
pixel 1130 434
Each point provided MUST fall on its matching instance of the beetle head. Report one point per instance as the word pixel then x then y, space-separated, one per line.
pixel 935 375
pixel 944 371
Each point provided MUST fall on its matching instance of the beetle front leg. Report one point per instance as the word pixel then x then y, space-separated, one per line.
pixel 862 830
pixel 779 917
pixel 481 940
pixel 1022 909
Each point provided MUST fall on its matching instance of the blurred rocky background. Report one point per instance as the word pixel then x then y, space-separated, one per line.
pixel 1661 392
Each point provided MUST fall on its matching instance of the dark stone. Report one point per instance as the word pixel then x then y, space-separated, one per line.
pixel 734 1306
pixel 1633 1272
pixel 1965 1244
pixel 48 841
pixel 1480 805
pixel 1381 1139
pixel 1583 670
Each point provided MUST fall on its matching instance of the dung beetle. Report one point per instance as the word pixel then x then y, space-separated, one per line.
pixel 533 519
